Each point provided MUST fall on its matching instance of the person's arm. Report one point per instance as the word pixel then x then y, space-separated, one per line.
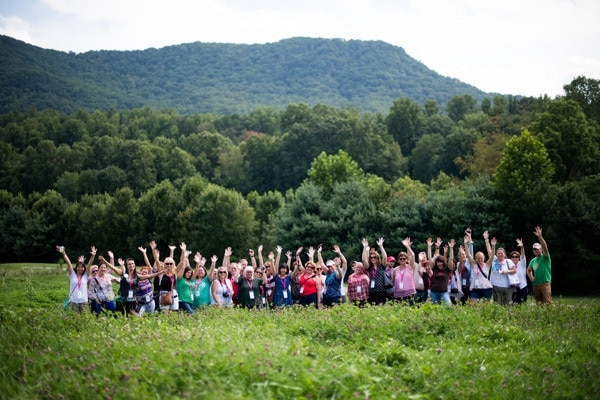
pixel 118 271
pixel 319 285
pixel 288 254
pixel 538 233
pixel 61 250
pixel 252 259
pixel 311 254
pixel 381 249
pixel 146 260
pixel 227 258
pixel 429 244
pixel 213 291
pixel 261 262
pixel 213 266
pixel 278 250
pixel 150 276
pixel 365 253
pixel 468 249
pixel 520 245
pixel 438 244
pixel 488 247
pixel 172 251
pixel 298 258
pixel 341 270
pixel 88 267
pixel 320 257
pixel 182 260
pixel 451 244
pixel 411 254
pixel 530 273
pixel 491 247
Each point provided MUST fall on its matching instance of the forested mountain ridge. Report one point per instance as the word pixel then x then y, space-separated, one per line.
pixel 220 78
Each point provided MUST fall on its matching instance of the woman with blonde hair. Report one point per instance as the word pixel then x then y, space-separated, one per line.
pixel 221 290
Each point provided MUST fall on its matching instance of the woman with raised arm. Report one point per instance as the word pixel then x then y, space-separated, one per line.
pixel 441 270
pixel 309 283
pixel 376 271
pixel 518 257
pixel 202 281
pixel 283 293
pixel 249 289
pixel 403 275
pixel 185 281
pixel 144 295
pixel 333 280
pixel 481 288
pixel 167 290
pixel 500 267
pixel 78 279
pixel 101 285
pixel 128 284
pixel 296 271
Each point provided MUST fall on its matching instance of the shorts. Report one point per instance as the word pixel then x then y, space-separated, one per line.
pixel 171 307
pixel 477 294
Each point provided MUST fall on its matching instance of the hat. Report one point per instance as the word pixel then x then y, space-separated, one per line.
pixel 537 246
pixel 330 263
pixel 390 258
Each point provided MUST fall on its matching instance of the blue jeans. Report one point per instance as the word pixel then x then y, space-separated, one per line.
pixel 437 297
pixel 187 307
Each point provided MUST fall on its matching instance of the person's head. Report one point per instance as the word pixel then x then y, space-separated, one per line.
pixel 145 270
pixel 480 258
pixel 402 258
pixel 187 273
pixel 80 268
pixel 391 261
pixel 258 273
pixel 357 267
pixel 501 254
pixel 309 267
pixel 440 262
pixel 374 258
pixel 243 263
pixel 248 272
pixel 283 269
pixel 537 249
pixel 330 264
pixel 268 268
pixel 515 256
pixel 169 264
pixel 130 264
pixel 102 269
pixel 424 262
pixel 200 272
pixel 221 273
pixel 95 270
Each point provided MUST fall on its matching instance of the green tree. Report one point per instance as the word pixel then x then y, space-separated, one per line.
pixel 586 92
pixel 425 158
pixel 405 123
pixel 572 142
pixel 459 106
pixel 327 170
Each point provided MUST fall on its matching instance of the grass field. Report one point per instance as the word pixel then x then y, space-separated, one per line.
pixel 430 352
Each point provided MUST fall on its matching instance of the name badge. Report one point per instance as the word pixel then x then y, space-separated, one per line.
pixel 285 294
pixel 420 281
pixel 464 282
pixel 251 293
pixel 400 285
pixel 359 289
pixel 130 295
pixel 372 284
pixel 302 290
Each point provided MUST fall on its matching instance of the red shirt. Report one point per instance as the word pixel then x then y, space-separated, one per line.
pixel 308 284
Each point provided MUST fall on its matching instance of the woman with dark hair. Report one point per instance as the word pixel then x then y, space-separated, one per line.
pixel 439 273
pixel 203 281
pixel 283 283
pixel 333 280
pixel 358 285
pixel 309 283
pixel 518 257
pixel 101 286
pixel 128 285
pixel 376 271
pixel 78 278
pixel 185 281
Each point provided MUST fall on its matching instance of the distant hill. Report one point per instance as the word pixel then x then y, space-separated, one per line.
pixel 220 78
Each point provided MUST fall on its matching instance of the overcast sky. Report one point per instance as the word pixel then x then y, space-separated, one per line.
pixel 527 47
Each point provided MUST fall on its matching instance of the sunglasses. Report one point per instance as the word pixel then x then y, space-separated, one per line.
pixel 514 256
pixel 168 263
pixel 94 271
pixel 222 272
pixel 401 258
pixel 372 256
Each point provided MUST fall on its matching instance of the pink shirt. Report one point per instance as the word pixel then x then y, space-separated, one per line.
pixel 404 282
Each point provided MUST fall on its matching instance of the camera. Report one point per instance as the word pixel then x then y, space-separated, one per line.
pixel 226 293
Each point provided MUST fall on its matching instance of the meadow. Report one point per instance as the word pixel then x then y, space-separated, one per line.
pixel 394 351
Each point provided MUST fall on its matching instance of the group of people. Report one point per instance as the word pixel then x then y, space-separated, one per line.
pixel 434 274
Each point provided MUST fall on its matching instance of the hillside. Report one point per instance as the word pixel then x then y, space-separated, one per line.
pixel 220 78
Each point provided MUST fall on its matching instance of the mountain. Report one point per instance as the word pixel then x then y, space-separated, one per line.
pixel 220 78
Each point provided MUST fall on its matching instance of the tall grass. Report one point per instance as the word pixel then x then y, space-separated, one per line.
pixel 430 352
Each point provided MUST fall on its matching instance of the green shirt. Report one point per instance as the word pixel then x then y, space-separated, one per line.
pixel 184 290
pixel 541 267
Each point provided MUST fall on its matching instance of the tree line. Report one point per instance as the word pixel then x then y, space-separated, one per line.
pixel 118 179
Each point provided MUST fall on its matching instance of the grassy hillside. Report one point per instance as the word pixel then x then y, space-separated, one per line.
pixel 220 78
pixel 430 352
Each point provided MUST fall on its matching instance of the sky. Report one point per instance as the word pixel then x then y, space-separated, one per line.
pixel 518 47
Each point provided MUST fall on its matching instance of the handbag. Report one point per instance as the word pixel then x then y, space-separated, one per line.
pixel 166 299
pixel 387 281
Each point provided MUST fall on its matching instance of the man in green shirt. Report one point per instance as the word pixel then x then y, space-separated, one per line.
pixel 539 270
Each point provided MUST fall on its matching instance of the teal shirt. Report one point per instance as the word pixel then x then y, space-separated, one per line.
pixel 185 290
pixel 542 271
pixel 201 292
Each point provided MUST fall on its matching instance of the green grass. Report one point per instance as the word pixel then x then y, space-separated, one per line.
pixel 431 352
